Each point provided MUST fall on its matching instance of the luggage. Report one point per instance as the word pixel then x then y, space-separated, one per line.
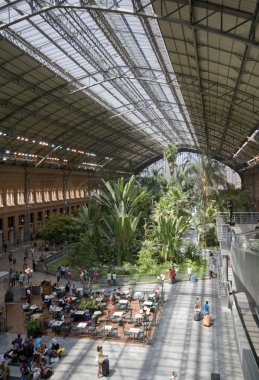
pixel 207 320
pixel 197 316
pixel 105 367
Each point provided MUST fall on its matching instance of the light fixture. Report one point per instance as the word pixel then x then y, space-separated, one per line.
pixel 251 138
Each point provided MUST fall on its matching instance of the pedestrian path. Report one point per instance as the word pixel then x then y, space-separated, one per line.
pixel 180 343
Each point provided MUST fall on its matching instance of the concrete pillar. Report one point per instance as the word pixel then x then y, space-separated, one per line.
pixel 5 229
pixel 16 229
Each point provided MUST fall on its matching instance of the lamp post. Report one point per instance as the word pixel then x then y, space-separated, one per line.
pixel 29 272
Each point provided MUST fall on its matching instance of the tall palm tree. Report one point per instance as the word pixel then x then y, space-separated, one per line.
pixel 120 202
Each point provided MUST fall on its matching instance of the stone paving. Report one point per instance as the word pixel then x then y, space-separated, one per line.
pixel 180 343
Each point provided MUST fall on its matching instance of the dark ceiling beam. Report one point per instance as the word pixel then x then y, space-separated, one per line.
pixel 191 15
pixel 242 67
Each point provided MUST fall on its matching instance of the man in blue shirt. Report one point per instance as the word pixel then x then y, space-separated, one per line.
pixel 206 308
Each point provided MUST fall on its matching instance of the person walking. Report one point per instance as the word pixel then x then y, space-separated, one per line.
pixel 10 257
pixel 189 271
pixel 114 279
pixel 206 308
pixel 102 362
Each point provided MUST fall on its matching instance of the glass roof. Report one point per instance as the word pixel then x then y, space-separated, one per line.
pixel 111 58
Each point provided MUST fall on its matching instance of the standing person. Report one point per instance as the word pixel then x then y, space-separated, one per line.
pixel 95 275
pixel 109 278
pixel 32 252
pixel 103 363
pixel 173 275
pixel 189 271
pixel 197 303
pixel 10 257
pixel 21 278
pixel 174 376
pixel 99 360
pixel 33 265
pixel 26 253
pixel 58 276
pixel 206 308
pixel 114 279
pixel 5 247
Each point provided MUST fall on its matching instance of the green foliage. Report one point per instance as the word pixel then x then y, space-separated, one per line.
pixel 58 229
pixel 170 154
pixel 120 203
pixel 32 325
pixel 149 258
pixel 9 296
pixel 90 304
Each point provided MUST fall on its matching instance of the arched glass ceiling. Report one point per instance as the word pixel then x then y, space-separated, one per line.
pixel 110 57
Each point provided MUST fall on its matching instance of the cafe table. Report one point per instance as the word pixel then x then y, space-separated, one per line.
pixel 148 303
pixel 34 307
pixel 118 313
pixel 123 302
pixel 134 330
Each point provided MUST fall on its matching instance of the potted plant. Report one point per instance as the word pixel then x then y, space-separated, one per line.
pixel 9 295
pixel 33 327
pixel 92 305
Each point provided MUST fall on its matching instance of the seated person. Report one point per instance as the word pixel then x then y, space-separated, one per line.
pixel 4 369
pixel 37 342
pixel 62 302
pixel 18 340
pixel 25 306
pixel 70 301
pixel 28 348
pixel 67 288
pixel 54 344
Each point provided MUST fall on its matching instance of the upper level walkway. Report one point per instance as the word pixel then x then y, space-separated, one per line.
pixel 181 344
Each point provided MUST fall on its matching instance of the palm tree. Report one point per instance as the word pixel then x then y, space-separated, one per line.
pixel 120 202
pixel 170 153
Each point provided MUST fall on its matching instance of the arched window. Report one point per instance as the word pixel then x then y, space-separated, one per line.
pixel 72 194
pixel 31 197
pixel 53 195
pixel 60 195
pixel 20 197
pixel 82 193
pixel 46 196
pixel 1 200
pixel 38 196
pixel 77 193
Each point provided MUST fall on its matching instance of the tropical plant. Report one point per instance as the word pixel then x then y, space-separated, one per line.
pixel 90 304
pixel 58 229
pixel 9 296
pixel 87 221
pixel 120 203
pixel 170 154
pixel 32 325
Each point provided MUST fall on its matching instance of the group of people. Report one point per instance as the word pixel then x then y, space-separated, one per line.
pixel 33 357
pixel 205 311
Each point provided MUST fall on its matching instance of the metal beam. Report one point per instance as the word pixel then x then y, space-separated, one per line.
pixel 36 10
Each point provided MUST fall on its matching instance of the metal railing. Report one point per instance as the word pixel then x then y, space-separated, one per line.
pixel 237 217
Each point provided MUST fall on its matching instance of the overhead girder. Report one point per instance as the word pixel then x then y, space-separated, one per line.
pixel 66 33
pixel 60 102
pixel 37 9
